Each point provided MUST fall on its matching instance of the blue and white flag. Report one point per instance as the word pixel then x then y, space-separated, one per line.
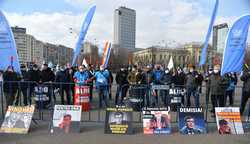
pixel 8 51
pixel 235 46
pixel 83 32
pixel 106 53
pixel 210 28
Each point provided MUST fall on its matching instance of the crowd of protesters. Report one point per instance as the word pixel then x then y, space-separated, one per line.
pixel 217 88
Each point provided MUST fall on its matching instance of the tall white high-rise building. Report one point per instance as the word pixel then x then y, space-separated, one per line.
pixel 124 29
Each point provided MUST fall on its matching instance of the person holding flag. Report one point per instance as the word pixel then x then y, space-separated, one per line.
pixel 218 85
pixel 192 86
pixel 245 77
pixel 81 77
pixel 10 87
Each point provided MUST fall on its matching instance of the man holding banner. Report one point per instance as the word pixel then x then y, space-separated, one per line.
pixel 234 53
pixel 218 85
pixel 245 90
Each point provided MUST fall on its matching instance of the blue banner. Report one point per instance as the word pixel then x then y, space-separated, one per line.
pixel 210 28
pixel 8 51
pixel 235 46
pixel 83 32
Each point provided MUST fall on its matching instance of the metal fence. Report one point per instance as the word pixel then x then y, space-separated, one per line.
pixel 44 96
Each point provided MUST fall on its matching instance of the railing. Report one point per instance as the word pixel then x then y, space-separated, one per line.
pixel 45 95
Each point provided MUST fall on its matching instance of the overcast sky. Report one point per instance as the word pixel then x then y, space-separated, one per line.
pixel 157 21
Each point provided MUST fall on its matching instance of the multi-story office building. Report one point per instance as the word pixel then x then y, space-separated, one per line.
pixel 30 50
pixel 30 46
pixel 219 36
pixel 20 39
pixel 153 55
pixel 194 49
pixel 57 54
pixel 124 30
pixel 182 55
pixel 64 55
pixel 38 52
pixel 89 52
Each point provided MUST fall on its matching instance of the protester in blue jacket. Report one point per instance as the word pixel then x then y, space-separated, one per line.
pixel 81 76
pixel 101 80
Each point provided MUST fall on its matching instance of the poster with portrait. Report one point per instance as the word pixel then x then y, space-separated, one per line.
pixel 156 121
pixel 66 119
pixel 228 120
pixel 118 120
pixel 17 119
pixel 191 121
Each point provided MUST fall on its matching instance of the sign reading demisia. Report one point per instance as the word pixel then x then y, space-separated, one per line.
pixel 8 51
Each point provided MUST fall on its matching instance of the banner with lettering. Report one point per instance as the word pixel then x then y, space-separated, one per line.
pixel 118 120
pixel 156 121
pixel 66 119
pixel 228 120
pixel 84 29
pixel 191 121
pixel 17 119
pixel 8 50
pixel 235 46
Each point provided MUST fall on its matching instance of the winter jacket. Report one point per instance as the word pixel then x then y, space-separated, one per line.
pixel 166 79
pixel 147 78
pixel 246 81
pixel 179 79
pixel 121 78
pixel 192 80
pixel 47 75
pixel 34 75
pixel 218 84
pixel 157 76
pixel 10 81
pixel 134 77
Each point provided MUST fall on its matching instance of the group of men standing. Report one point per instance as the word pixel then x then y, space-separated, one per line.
pixel 217 88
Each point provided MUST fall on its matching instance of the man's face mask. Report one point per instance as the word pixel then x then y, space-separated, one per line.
pixel 10 70
pixel 81 69
pixel 216 71
pixel 191 70
pixel 101 68
pixel 44 67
